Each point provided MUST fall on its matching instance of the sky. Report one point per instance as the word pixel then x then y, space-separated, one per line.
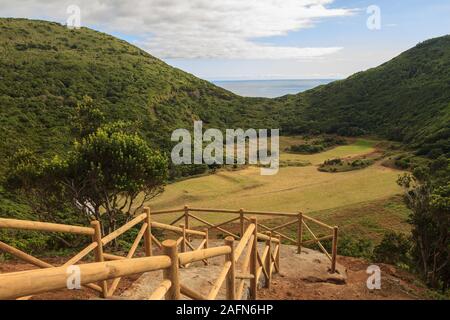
pixel 256 39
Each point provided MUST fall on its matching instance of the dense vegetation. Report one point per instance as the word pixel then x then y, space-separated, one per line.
pixel 317 145
pixel 406 99
pixel 339 165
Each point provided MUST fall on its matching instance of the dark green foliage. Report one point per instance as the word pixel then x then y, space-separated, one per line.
pixel 306 148
pixel 394 249
pixel 337 165
pixel 351 246
pixel 355 247
pixel 427 195
pixel 333 162
pixel 317 145
pixel 108 176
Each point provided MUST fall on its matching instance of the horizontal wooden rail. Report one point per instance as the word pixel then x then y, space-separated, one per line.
pixel 265 237
pixel 193 256
pixel 157 212
pixel 177 229
pixel 44 226
pixel 37 262
pixel 23 283
pixel 269 213
pixel 213 210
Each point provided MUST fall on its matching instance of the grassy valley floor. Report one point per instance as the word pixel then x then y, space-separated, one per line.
pixel 364 202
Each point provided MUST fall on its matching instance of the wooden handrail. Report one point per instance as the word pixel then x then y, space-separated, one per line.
pixel 265 237
pixel 252 267
pixel 44 226
pixel 167 211
pixel 193 256
pixel 23 283
pixel 244 240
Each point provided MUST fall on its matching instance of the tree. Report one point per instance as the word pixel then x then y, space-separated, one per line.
pixel 87 118
pixel 30 178
pixel 109 175
pixel 427 194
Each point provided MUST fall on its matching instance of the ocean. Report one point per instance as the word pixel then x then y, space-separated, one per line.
pixel 270 88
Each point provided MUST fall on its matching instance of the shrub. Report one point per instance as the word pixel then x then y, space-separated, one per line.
pixel 393 249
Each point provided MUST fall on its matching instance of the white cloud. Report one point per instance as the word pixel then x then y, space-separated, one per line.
pixel 195 28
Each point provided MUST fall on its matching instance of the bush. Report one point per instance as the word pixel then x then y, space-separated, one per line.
pixel 306 148
pixel 393 249
pixel 354 247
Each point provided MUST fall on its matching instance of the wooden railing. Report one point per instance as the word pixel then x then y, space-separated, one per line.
pixel 302 221
pixel 19 284
pixel 238 267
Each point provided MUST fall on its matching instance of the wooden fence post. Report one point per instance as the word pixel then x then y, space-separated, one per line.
pixel 186 217
pixel 183 242
pixel 300 233
pixel 334 252
pixel 278 254
pixel 231 276
pixel 171 273
pixel 268 261
pixel 254 261
pixel 206 242
pixel 241 216
pixel 148 243
pixel 97 237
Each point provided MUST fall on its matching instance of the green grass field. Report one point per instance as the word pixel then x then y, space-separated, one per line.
pixel 293 189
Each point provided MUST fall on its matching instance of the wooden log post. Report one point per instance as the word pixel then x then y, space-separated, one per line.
pixel 278 254
pixel 231 276
pixel 97 237
pixel 334 252
pixel 206 245
pixel 299 233
pixel 186 218
pixel 148 242
pixel 242 220
pixel 268 261
pixel 171 273
pixel 254 261
pixel 183 234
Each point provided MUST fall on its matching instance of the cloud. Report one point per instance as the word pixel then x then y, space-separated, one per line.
pixel 196 28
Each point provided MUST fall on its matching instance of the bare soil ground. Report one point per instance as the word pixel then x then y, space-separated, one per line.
pixel 395 285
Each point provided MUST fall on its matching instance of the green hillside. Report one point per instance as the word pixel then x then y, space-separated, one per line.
pixel 46 69
pixel 406 99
